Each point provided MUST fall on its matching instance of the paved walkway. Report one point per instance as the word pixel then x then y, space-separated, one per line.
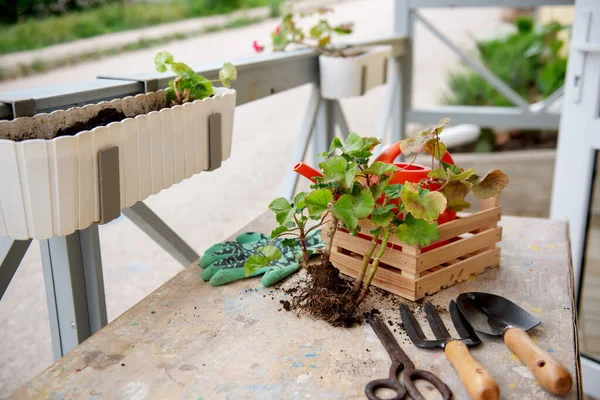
pixel 211 206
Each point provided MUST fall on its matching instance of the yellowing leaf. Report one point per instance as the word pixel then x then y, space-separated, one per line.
pixel 439 173
pixel 227 73
pixel 463 175
pixel 491 186
pixel 436 148
pixel 457 205
pixel 456 190
pixel 415 144
pixel 422 204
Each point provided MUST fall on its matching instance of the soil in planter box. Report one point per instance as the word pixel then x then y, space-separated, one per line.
pixel 103 118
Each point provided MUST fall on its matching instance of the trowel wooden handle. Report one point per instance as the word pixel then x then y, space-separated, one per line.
pixel 479 382
pixel 553 376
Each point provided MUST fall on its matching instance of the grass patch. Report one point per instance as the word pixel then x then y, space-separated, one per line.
pixel 40 66
pixel 38 33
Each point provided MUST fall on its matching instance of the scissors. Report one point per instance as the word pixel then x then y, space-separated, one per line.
pixel 400 362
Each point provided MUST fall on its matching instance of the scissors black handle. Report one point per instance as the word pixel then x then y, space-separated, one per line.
pixel 391 383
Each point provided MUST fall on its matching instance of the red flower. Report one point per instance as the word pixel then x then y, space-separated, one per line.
pixel 257 47
pixel 278 29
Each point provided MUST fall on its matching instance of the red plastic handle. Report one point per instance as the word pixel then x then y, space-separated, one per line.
pixel 392 152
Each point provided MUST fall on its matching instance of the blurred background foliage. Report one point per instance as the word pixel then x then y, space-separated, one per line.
pixel 531 60
pixel 33 24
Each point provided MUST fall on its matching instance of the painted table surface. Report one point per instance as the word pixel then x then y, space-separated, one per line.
pixel 189 340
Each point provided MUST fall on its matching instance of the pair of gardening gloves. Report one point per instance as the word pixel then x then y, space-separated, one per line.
pixel 224 262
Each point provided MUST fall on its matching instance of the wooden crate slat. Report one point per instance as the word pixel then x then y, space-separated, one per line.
pixel 458 272
pixel 469 223
pixel 360 246
pixel 458 248
pixel 387 279
pixel 450 229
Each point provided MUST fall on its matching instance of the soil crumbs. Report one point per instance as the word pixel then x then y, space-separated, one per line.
pixel 103 118
pixel 330 300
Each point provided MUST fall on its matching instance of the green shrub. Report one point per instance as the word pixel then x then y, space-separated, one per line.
pixel 528 60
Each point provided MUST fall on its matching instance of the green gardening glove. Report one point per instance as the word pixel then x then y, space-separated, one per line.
pixel 224 262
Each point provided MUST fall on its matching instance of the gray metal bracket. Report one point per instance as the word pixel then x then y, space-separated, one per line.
pixel 109 187
pixel 23 108
pixel 215 150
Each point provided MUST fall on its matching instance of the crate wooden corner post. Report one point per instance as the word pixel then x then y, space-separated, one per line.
pixel 466 247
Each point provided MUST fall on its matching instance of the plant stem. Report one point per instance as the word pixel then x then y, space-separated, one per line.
pixel 333 225
pixel 369 278
pixel 365 264
pixel 302 235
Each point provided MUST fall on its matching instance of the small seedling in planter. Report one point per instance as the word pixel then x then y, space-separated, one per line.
pixel 188 85
pixel 318 36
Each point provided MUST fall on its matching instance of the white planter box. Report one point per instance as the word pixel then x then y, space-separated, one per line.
pixel 50 187
pixel 353 76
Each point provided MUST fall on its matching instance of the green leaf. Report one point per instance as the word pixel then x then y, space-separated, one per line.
pixel 353 143
pixel 380 168
pixel 343 29
pixel 278 231
pixel 283 210
pixel 456 190
pixel 179 68
pixel 422 204
pixel 318 201
pixel 343 209
pixel 334 168
pixel 463 175
pixel 323 42
pixel 299 202
pixel 227 74
pixel 457 205
pixel 365 203
pixel 451 167
pixel 436 148
pixel 491 186
pixel 417 231
pixel 382 217
pixel 336 143
pixel 378 188
pixel 289 242
pixel 393 191
pixel 161 60
pixel 270 252
pixel 439 173
pixel 348 179
pixel 253 264
pixel 376 231
pixel 319 29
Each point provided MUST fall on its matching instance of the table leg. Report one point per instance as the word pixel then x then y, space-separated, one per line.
pixel 145 219
pixel 11 254
pixel 72 269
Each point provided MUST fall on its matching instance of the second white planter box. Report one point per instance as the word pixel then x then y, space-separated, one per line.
pixel 343 77
pixel 50 187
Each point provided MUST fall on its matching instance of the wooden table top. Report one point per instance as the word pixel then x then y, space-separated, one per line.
pixel 189 340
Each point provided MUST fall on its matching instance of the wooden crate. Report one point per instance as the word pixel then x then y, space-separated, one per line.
pixel 412 273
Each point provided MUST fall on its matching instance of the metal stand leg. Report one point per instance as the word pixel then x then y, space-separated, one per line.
pixel 165 237
pixel 74 288
pixel 401 68
pixel 11 254
pixel 324 128
pixel 340 119
pixel 299 152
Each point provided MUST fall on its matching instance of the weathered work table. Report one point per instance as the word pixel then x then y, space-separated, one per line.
pixel 188 340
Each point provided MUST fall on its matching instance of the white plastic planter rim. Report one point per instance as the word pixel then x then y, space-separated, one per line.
pixel 343 77
pixel 50 187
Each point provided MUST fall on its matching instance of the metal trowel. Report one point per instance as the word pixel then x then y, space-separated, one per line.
pixel 495 315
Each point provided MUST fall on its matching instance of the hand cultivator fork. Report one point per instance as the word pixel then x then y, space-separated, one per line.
pixel 477 380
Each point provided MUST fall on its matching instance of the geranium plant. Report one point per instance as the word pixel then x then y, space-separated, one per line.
pixel 351 188
pixel 318 37
pixel 188 85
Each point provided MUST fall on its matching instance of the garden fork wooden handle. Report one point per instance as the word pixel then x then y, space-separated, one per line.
pixel 479 382
pixel 553 376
